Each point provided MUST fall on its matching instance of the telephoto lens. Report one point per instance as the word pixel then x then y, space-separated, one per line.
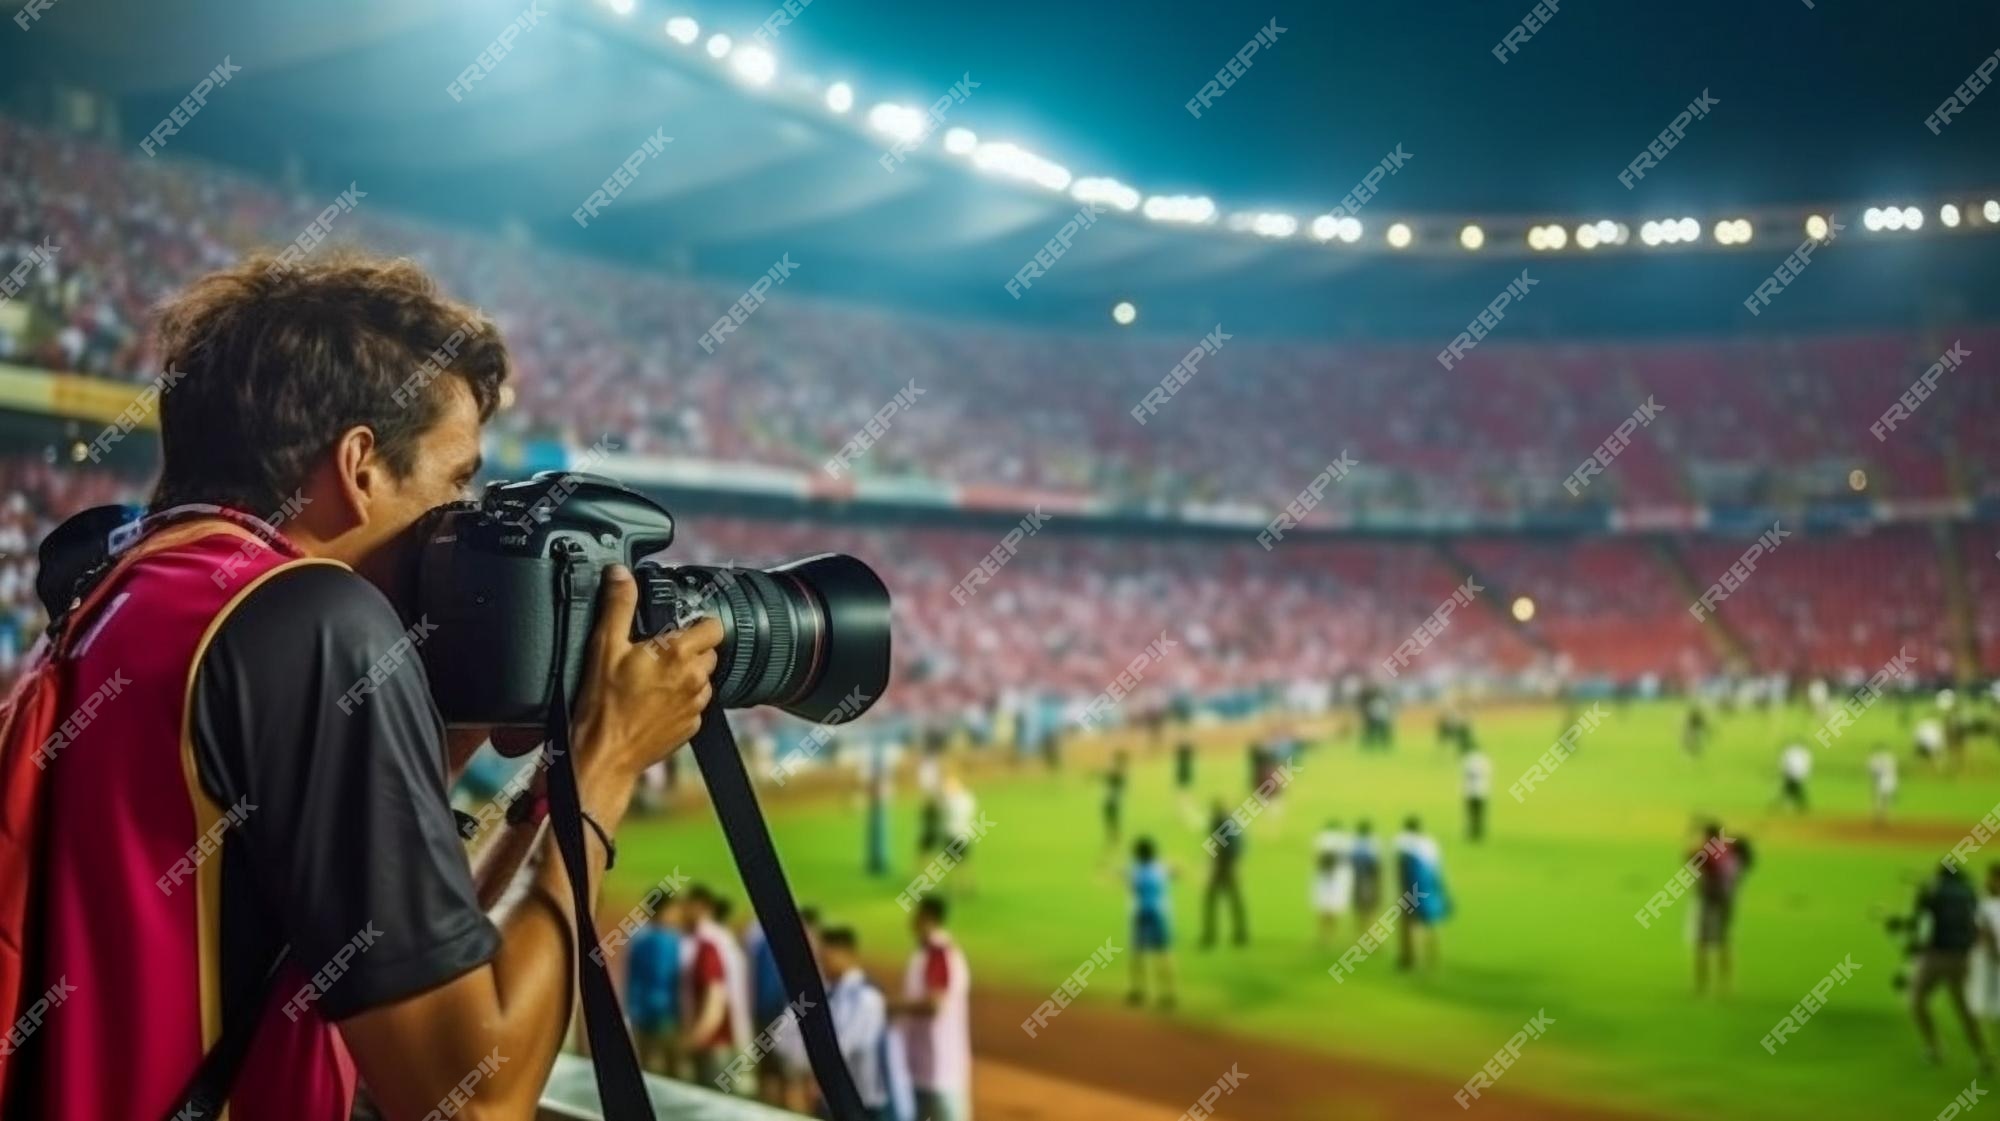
pixel 810 637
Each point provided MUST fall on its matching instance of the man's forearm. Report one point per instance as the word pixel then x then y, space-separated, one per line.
pixel 536 965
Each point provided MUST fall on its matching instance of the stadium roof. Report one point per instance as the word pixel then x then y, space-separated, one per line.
pixel 1817 103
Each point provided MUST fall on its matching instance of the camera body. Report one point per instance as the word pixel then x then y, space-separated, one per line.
pixel 502 578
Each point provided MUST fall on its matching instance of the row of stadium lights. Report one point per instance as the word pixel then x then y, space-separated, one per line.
pixel 757 66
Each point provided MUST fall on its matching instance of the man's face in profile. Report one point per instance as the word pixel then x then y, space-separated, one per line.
pixel 446 461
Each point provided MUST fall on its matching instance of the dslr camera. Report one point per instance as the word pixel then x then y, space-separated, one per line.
pixel 512 578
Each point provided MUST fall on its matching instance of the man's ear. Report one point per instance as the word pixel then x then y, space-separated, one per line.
pixel 358 472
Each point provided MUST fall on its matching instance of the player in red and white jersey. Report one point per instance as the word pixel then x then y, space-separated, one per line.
pixel 935 1018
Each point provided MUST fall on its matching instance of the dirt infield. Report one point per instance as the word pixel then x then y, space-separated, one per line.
pixel 1855 829
pixel 1098 1064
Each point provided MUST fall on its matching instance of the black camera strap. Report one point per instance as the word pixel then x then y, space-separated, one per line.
pixel 621 1088
pixel 756 857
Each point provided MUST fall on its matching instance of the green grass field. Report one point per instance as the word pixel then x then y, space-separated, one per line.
pixel 1544 908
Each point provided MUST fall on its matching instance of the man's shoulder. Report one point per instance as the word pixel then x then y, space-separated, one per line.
pixel 324 599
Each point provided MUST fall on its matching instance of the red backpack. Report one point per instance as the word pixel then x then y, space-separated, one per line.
pixel 33 710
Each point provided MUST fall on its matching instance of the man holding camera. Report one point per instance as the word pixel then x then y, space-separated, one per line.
pixel 274 775
pixel 1945 928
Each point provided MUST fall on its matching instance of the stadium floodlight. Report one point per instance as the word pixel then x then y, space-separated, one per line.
pixel 1816 227
pixel 1524 609
pixel 1325 227
pixel 1650 233
pixel 719 46
pixel 753 64
pixel 1191 209
pixel 1108 191
pixel 1264 223
pixel 1690 230
pixel 1400 236
pixel 1892 217
pixel 1015 162
pixel 1552 236
pixel 622 7
pixel 683 30
pixel 1871 218
pixel 1991 211
pixel 1348 229
pixel 960 141
pixel 1586 237
pixel 1123 313
pixel 840 97
pixel 1948 214
pixel 898 122
pixel 1472 237
pixel 1732 231
pixel 1913 219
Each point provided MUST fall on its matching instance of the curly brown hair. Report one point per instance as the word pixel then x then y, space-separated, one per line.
pixel 273 361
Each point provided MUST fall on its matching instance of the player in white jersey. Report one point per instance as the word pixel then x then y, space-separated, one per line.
pixel 1882 773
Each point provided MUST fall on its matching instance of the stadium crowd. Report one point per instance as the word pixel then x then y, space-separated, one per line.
pixel 605 352
pixel 1054 630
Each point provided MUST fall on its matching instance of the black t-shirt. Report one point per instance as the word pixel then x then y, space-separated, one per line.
pixel 1951 911
pixel 354 841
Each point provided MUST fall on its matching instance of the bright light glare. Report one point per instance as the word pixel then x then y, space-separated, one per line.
pixel 1586 237
pixel 753 64
pixel 898 122
pixel 840 97
pixel 621 7
pixel 1948 214
pixel 1348 229
pixel 1016 162
pixel 1524 609
pixel 718 46
pixel 1123 313
pixel 1180 208
pixel 1400 236
pixel 960 141
pixel 1325 226
pixel 1991 211
pixel 683 30
pixel 1913 219
pixel 1108 191
pixel 1816 227
pixel 1472 237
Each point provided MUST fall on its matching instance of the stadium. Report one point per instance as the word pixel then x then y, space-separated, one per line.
pixel 1551 455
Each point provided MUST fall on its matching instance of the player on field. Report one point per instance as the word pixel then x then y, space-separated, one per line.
pixel 1184 778
pixel 1367 861
pixel 1882 781
pixel 1723 861
pixel 1478 785
pixel 709 1037
pixel 1115 782
pixel 1152 929
pixel 1332 880
pixel 652 990
pixel 1694 733
pixel 1794 768
pixel 1946 914
pixel 1222 877
pixel 1420 874
pixel 935 1018
pixel 1930 736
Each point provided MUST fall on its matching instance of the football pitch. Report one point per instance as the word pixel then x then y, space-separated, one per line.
pixel 1544 915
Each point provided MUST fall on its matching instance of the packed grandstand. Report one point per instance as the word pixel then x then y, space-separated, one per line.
pixel 1460 472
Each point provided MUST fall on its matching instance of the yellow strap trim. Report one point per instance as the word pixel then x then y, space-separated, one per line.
pixel 208 873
